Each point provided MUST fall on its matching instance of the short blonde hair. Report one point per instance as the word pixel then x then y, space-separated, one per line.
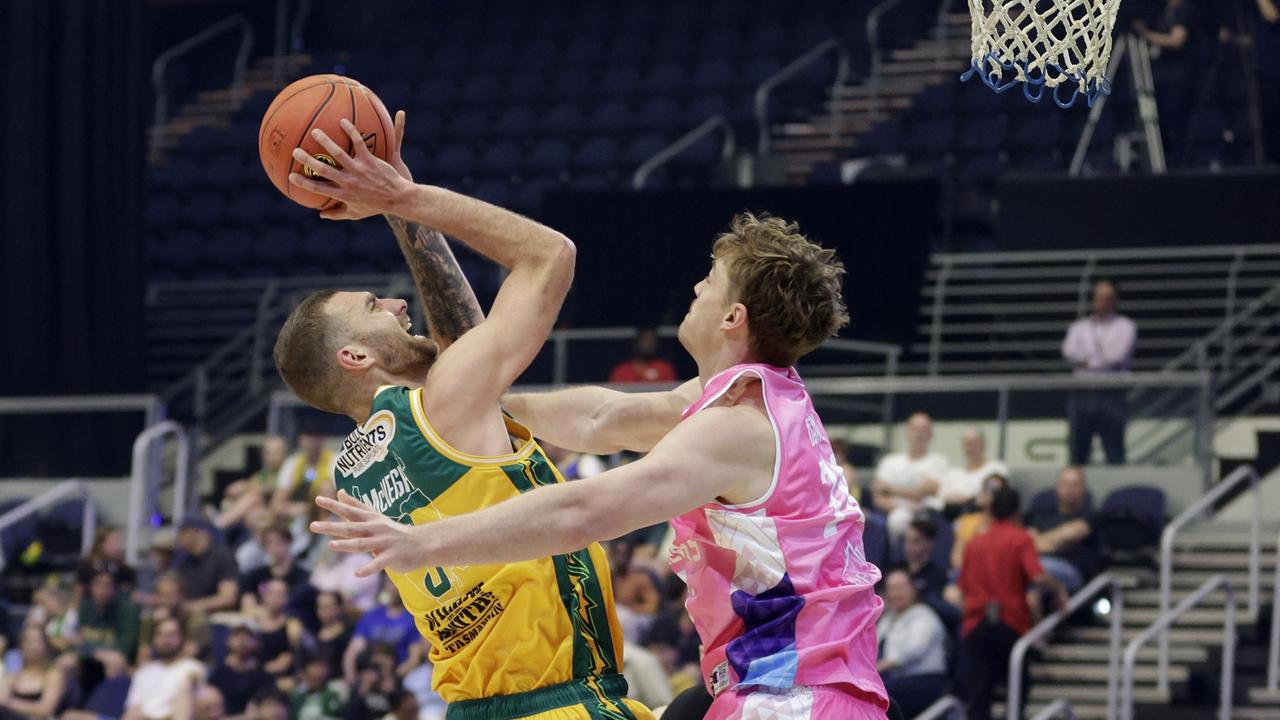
pixel 790 285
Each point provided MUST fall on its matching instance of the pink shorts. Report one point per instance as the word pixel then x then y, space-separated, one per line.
pixel 800 703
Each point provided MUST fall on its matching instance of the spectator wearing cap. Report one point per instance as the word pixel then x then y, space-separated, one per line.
pixel 165 687
pixel 908 481
pixel 1064 535
pixel 240 676
pixel 280 566
pixel 999 567
pixel 169 602
pixel 961 485
pixel 210 578
pixel 1100 344
pixel 913 653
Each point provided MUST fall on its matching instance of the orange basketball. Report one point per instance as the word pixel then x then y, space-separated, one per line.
pixel 318 101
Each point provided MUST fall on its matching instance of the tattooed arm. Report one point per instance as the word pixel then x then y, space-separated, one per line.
pixel 451 305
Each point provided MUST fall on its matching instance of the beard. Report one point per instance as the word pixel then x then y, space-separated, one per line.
pixel 404 354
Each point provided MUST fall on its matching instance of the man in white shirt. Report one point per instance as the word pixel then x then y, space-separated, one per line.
pixel 1101 343
pixel 961 485
pixel 165 687
pixel 908 481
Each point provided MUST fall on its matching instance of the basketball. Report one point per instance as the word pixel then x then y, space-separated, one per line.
pixel 318 101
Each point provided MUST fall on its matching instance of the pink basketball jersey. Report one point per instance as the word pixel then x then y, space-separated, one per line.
pixel 780 589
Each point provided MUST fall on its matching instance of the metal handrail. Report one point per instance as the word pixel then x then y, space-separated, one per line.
pixel 1161 625
pixel 1059 708
pixel 1170 534
pixel 792 69
pixel 987 258
pixel 55 494
pixel 873 41
pixel 1018 656
pixel 1273 660
pixel 151 406
pixel 684 142
pixel 161 65
pixel 140 473
pixel 943 705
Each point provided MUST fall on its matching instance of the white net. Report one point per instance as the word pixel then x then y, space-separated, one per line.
pixel 1059 45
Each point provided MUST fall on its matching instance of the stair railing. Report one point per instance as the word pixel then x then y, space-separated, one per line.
pixel 74 487
pixel 1169 536
pixel 142 485
pixel 1018 656
pixel 1161 627
pixel 793 68
pixel 161 65
pixel 684 142
pixel 1059 708
pixel 942 707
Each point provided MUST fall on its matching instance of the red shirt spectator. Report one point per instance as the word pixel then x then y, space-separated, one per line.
pixel 999 566
pixel 644 366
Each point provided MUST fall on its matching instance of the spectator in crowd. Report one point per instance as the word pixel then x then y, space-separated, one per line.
pixel 334 633
pixel 646 678
pixel 36 690
pixel 251 554
pixel 644 366
pixel 388 623
pixel 376 684
pixel 970 525
pixel 240 676
pixel 210 578
pixel 961 485
pixel 53 611
pixel 674 640
pixel 209 704
pixel 108 638
pixel 304 475
pixel 281 566
pixel 840 449
pixel 162 552
pixel 635 592
pixel 999 567
pixel 169 602
pixel 269 704
pixel 908 481
pixel 108 554
pixel 913 651
pixel 1064 535
pixel 278 633
pixel 165 687
pixel 242 496
pixel 927 576
pixel 404 706
pixel 573 465
pixel 1099 344
pixel 1173 68
pixel 336 572
pixel 318 696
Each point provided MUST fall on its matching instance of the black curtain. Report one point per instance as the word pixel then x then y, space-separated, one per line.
pixel 74 123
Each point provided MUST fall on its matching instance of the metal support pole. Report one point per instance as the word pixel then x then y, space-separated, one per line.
pixel 1113 660
pixel 1002 421
pixel 560 360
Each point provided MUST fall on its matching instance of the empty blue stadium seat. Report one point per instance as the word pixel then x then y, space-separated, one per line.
pixel 571 83
pixel 562 119
pixel 713 74
pixel 549 157
pixel 481 89
pixel 493 191
pixel 468 123
pixel 584 50
pixel 930 137
pixel 597 153
pixel 611 116
pixel 883 138
pixel 618 81
pixel 537 53
pixel 453 161
pixel 985 133
pixel 667 77
pixel 657 113
pixel 627 49
pixel 503 158
pixel 525 86
pixel 643 147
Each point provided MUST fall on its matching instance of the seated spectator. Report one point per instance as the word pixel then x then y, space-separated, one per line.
pixel 108 638
pixel 388 623
pixel 926 575
pixel 169 602
pixel 269 704
pixel 675 641
pixel 209 704
pixel 164 687
pixel 37 689
pixel 162 553
pixel 210 578
pixel 108 554
pixel 418 681
pixel 961 485
pixel 908 481
pixel 336 572
pixel 646 678
pixel 251 554
pixel 376 684
pixel 53 611
pixel 972 524
pixel 281 566
pixel 240 676
pixel 318 696
pixel 999 567
pixel 242 496
pixel 334 634
pixel 1064 536
pixel 304 475
pixel 913 652
pixel 404 706
pixel 635 593
pixel 278 633
pixel 644 366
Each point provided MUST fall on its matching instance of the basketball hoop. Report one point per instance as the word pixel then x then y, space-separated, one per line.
pixel 1062 45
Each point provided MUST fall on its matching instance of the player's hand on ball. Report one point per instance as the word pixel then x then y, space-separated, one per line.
pixel 364 184
pixel 364 530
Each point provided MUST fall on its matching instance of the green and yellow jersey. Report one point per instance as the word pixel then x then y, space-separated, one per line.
pixel 494 629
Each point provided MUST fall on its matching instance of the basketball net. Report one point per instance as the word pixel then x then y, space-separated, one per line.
pixel 1062 45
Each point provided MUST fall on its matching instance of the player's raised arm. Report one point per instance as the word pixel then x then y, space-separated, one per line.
pixel 600 420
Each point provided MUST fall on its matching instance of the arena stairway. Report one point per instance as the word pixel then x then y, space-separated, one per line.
pixel 1074 665
pixel 905 73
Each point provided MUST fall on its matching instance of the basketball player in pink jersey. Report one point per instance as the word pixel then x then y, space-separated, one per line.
pixel 768 538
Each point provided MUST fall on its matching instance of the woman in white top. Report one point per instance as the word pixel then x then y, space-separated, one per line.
pixel 913 647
